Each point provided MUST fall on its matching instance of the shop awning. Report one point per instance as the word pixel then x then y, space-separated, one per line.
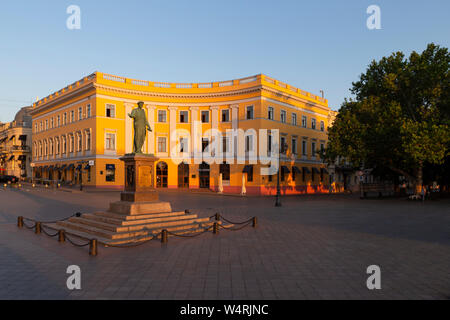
pixel 79 167
pixel 11 158
pixel 285 170
pixel 296 169
pixel 325 171
pixel 3 139
pixel 87 167
pixel 63 167
pixel 248 169
pixel 22 157
pixel 12 137
pixel 23 137
pixel 306 170
pixel 315 170
pixel 70 167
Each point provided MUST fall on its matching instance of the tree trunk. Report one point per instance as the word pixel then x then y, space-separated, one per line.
pixel 419 181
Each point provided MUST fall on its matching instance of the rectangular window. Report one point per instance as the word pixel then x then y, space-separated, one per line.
pixel 162 144
pixel 64 144
pixel 250 174
pixel 313 149
pixel 313 124
pixel 225 145
pixel 269 144
pixel 71 143
pixel 248 143
pixel 283 116
pixel 88 111
pixel 88 169
pixel 224 169
pixel 46 124
pixel 304 148
pixel 110 110
pixel 225 115
pixel 205 116
pixel 294 145
pixel 205 144
pixel 88 140
pixel 80 113
pixel 249 114
pixel 294 119
pixel 184 145
pixel 35 127
pixel 304 121
pixel 110 172
pixel 270 113
pixel 58 121
pixel 51 123
pixel 72 116
pixel 162 116
pixel 282 142
pixel 110 141
pixel 184 116
pixel 322 126
pixel 80 142
pixel 65 118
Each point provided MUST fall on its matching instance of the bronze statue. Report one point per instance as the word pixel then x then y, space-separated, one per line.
pixel 140 125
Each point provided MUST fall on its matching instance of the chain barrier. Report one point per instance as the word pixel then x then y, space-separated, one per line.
pixel 77 214
pixel 234 229
pixel 29 227
pixel 77 244
pixel 192 235
pixel 48 234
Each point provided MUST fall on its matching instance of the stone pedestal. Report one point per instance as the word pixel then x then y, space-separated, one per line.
pixel 139 178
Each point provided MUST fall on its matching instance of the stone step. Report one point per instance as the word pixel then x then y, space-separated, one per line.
pixel 137 217
pixel 98 232
pixel 119 222
pixel 136 227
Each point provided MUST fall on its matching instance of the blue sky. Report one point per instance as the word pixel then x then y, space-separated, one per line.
pixel 314 45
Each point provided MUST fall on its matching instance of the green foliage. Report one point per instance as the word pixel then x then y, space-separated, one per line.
pixel 400 118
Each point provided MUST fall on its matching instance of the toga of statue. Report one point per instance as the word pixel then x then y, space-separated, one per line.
pixel 140 126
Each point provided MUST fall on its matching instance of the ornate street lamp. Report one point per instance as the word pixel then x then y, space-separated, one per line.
pixel 283 149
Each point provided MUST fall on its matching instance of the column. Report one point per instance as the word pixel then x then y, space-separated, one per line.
pixel 151 135
pixel 195 134
pixel 128 129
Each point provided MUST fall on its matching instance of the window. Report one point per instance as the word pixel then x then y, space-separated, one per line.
pixel 162 144
pixel 250 173
pixel 269 144
pixel 71 143
pixel 205 144
pixel 322 147
pixel 270 113
pixel 110 110
pixel 46 124
pixel 72 116
pixel 88 169
pixel 162 116
pixel 79 142
pixel 294 145
pixel 58 121
pixel 88 140
pixel 313 149
pixel 58 149
pixel 294 119
pixel 282 143
pixel 225 145
pixel 51 147
pixel 249 114
pixel 205 116
pixel 80 113
pixel 283 116
pixel 225 171
pixel 35 127
pixel 110 173
pixel 65 118
pixel 313 124
pixel 184 145
pixel 184 116
pixel 64 144
pixel 51 123
pixel 304 121
pixel 304 147
pixel 248 143
pixel 110 141
pixel 322 126
pixel 88 113
pixel 225 115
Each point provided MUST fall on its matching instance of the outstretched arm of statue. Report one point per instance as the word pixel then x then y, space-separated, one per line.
pixel 148 126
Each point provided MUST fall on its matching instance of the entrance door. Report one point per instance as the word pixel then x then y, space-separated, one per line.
pixel 183 175
pixel 161 175
pixel 204 171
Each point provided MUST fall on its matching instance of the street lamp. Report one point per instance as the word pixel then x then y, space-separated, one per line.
pixel 283 149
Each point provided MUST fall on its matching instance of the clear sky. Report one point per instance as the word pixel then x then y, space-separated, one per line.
pixel 313 45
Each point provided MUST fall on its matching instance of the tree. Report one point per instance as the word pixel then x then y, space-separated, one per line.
pixel 400 117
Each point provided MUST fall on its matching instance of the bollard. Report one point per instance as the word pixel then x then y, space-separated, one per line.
pixel 164 236
pixel 37 228
pixel 61 236
pixel 255 222
pixel 78 214
pixel 217 216
pixel 215 228
pixel 93 247
pixel 20 222
pixel 186 211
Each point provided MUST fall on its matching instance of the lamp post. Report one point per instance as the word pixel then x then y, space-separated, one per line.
pixel 283 149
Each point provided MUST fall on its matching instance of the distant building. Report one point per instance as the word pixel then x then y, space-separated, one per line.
pixel 15 145
pixel 81 131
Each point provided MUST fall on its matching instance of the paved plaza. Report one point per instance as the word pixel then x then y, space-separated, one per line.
pixel 314 247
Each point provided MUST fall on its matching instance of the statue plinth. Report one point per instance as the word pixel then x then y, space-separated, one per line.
pixel 139 178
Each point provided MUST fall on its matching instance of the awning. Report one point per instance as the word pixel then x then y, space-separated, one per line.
pixel 285 170
pixel 296 169
pixel 11 137
pixel 79 167
pixel 51 167
pixel 63 167
pixel 248 169
pixel 23 137
pixel 315 170
pixel 110 167
pixel 11 158
pixel 3 139
pixel 70 167
pixel 22 157
pixel 306 170
pixel 87 167
pixel 324 170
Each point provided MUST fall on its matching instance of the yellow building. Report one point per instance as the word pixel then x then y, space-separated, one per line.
pixel 15 145
pixel 81 131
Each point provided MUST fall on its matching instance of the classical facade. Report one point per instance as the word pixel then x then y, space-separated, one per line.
pixel 15 145
pixel 81 131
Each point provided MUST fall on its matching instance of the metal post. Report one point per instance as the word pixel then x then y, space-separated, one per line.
pixel 278 197
pixel 37 228
pixel 217 217
pixel 254 222
pixel 20 222
pixel 164 236
pixel 215 228
pixel 93 247
pixel 61 236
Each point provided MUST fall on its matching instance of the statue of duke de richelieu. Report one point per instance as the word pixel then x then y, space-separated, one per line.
pixel 140 126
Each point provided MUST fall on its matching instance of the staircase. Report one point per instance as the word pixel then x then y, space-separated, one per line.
pixel 112 228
